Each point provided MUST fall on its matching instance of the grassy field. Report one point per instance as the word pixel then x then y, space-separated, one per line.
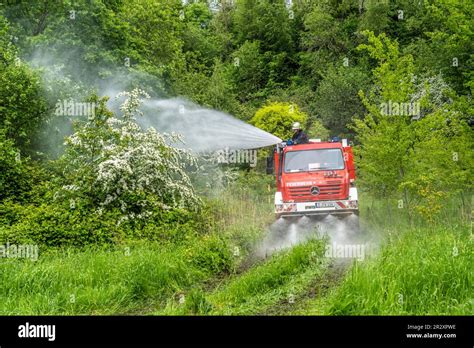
pixel 136 277
pixel 416 270
pixel 420 271
pixel 280 280
pixel 107 281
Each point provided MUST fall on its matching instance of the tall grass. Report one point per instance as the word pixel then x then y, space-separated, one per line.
pixel 423 271
pixel 286 275
pixel 105 281
pixel 243 215
pixel 381 213
pixel 141 279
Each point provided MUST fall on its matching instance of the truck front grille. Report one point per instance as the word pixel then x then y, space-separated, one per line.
pixel 332 190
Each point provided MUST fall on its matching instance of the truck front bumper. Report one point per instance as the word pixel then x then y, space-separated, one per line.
pixel 339 207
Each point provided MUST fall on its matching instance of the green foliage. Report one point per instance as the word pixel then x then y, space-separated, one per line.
pixel 154 33
pixel 376 16
pixel 98 281
pixel 318 131
pixel 22 105
pixel 211 253
pixel 337 100
pixel 267 22
pixel 111 162
pixel 14 181
pixel 422 272
pixel 422 160
pixel 58 225
pixel 278 118
pixel 394 73
pixel 448 47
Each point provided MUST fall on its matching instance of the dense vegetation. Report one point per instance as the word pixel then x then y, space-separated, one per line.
pixel 395 77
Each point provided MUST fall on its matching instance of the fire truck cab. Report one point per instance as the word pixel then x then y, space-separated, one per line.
pixel 316 178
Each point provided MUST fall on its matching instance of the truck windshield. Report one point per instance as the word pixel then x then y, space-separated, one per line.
pixel 309 160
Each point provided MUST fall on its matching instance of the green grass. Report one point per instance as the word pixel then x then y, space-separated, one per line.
pixel 286 275
pixel 418 272
pixel 106 282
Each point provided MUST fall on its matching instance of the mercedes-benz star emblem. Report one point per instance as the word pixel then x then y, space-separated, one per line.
pixel 315 190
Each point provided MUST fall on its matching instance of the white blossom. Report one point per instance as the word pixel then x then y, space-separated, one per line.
pixel 130 167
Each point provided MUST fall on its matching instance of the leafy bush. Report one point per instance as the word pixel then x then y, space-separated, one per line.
pixel 52 225
pixel 277 118
pixel 317 130
pixel 14 180
pixel 56 224
pixel 336 98
pixel 22 106
pixel 112 163
pixel 212 253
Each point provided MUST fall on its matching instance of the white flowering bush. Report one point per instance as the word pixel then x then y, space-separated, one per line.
pixel 110 162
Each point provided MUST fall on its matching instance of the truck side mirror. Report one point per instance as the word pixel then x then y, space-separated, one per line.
pixel 270 165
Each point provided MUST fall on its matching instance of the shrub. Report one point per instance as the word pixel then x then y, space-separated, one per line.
pixel 212 253
pixel 277 118
pixel 111 163
pixel 14 180
pixel 52 225
pixel 56 224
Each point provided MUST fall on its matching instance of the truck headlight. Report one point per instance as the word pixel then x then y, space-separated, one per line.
pixel 353 204
pixel 285 207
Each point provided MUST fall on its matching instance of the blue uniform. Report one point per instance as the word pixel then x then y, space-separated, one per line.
pixel 299 137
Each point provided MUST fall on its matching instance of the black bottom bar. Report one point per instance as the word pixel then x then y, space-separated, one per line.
pixel 224 331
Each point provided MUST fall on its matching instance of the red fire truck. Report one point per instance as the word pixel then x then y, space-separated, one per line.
pixel 316 178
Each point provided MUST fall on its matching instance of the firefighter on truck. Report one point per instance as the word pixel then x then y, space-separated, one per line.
pixel 299 137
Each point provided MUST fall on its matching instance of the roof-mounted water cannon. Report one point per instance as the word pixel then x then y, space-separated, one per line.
pixel 282 145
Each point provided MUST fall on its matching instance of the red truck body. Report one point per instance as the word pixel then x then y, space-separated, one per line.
pixel 317 178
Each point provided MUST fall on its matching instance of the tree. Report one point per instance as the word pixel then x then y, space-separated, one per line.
pixel 278 118
pixel 14 181
pixel 22 104
pixel 414 157
pixel 265 21
pixel 337 101
pixel 248 72
pixel 111 163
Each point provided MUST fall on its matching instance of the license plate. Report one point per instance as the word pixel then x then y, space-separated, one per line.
pixel 324 205
pixel 320 205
